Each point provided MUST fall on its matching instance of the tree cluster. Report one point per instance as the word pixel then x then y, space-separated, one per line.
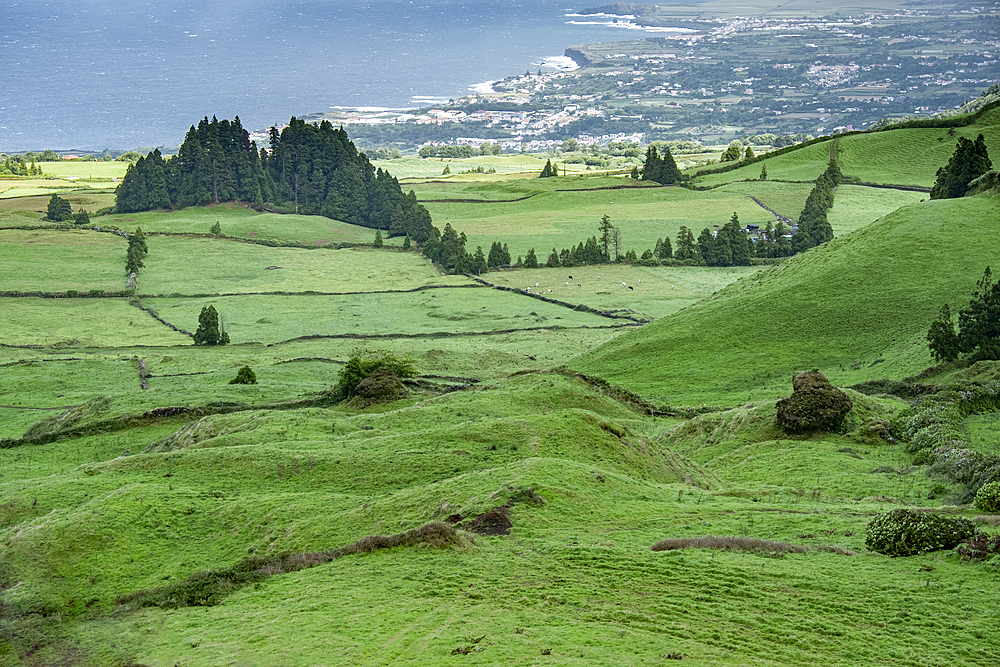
pixel 309 168
pixel 548 170
pixel 460 150
pixel 60 210
pixel 729 247
pixel 978 335
pixel 18 165
pixel 660 169
pixel 969 161
pixel 814 228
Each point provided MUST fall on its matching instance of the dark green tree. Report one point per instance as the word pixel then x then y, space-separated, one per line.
pixel 479 266
pixel 607 231
pixel 138 239
pixel 406 242
pixel 941 337
pixel 58 209
pixel 706 247
pixel 660 169
pixel 210 331
pixel 81 218
pixel 378 239
pixel 763 173
pixel 686 248
pixel 970 161
pixel 530 261
pixel 979 321
pixel 133 260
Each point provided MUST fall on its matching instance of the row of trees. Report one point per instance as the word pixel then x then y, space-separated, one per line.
pixel 460 150
pixel 307 168
pixel 814 228
pixel 17 165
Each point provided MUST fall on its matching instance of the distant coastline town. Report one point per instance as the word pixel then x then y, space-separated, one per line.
pixel 712 80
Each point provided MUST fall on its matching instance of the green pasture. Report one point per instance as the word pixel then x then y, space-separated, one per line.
pixel 81 323
pixel 857 308
pixel 505 165
pixel 59 260
pixel 893 157
pixel 657 291
pixel 855 206
pixel 431 313
pixel 91 518
pixel 239 222
pixel 183 265
pixel 108 494
pixel 82 170
pixel 913 156
pixel 34 201
pixel 565 219
pixel 803 164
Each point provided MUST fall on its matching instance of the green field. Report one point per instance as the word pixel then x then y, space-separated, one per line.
pixel 136 482
pixel 54 261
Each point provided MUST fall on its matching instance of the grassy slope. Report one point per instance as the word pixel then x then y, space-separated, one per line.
pixel 554 219
pixel 857 308
pixel 85 519
pixel 576 579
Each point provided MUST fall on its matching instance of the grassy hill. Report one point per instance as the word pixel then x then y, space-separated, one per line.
pixel 504 512
pixel 857 308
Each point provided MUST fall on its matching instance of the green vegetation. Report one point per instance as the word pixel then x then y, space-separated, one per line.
pixel 970 161
pixel 387 464
pixel 906 533
pixel 218 163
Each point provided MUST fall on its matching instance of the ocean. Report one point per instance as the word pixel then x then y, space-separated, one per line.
pixel 96 74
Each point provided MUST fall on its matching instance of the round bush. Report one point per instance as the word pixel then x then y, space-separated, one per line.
pixel 988 497
pixel 815 405
pixel 907 533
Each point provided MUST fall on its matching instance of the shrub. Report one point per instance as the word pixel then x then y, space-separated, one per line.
pixel 981 547
pixel 244 376
pixel 363 364
pixel 907 533
pixel 988 497
pixel 815 405
pixel 215 230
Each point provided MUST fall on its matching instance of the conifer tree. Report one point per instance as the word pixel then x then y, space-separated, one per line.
pixel 970 161
pixel 530 261
pixel 58 209
pixel 210 331
pixel 479 265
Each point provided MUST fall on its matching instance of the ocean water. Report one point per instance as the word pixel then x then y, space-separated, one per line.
pixel 96 74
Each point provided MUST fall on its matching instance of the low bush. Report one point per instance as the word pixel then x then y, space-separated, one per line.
pixel 988 498
pixel 981 547
pixel 244 376
pixel 907 533
pixel 363 364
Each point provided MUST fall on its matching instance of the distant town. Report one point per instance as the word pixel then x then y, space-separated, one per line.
pixel 711 80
